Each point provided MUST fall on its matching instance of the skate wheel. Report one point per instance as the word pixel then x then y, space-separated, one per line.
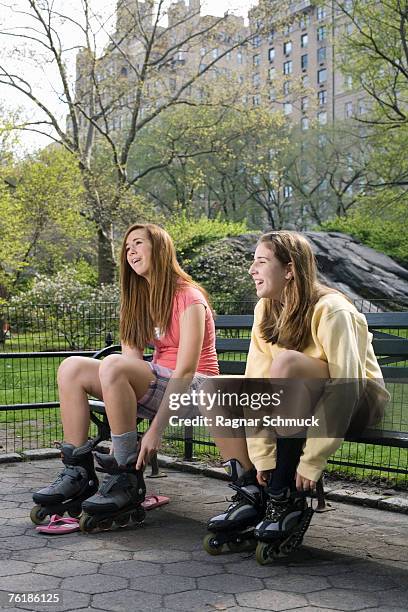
pixel 262 554
pixel 87 523
pixel 38 514
pixel 75 512
pixel 122 521
pixel 106 524
pixel 244 546
pixel 211 546
pixel 138 516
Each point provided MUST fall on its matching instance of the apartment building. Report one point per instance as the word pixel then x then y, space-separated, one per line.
pixel 110 84
pixel 295 65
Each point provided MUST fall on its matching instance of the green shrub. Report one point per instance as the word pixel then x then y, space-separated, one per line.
pixel 189 233
pixel 222 268
pixel 386 235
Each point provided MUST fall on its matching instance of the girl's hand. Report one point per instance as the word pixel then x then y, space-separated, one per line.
pixel 304 484
pixel 263 477
pixel 150 444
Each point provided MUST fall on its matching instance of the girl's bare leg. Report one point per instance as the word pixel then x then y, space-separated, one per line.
pixel 77 377
pixel 123 380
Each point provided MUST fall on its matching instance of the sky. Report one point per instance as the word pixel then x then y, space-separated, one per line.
pixel 18 57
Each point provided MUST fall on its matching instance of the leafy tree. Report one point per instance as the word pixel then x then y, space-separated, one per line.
pixel 140 74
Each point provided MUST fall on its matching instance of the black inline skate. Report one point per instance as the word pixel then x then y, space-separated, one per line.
pixel 120 496
pixel 73 485
pixel 235 527
pixel 286 520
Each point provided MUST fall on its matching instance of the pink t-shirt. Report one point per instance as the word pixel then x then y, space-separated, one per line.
pixel 166 346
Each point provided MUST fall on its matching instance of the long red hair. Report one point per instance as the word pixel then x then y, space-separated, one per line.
pixel 144 305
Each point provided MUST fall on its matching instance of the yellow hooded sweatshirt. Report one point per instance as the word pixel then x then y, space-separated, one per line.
pixel 339 336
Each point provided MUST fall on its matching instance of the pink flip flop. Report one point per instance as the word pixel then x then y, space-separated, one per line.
pixel 154 501
pixel 59 525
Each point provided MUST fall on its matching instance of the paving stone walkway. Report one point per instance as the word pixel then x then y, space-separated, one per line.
pixel 354 558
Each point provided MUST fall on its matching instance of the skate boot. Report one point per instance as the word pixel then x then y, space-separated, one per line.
pixel 74 484
pixel 281 531
pixel 235 526
pixel 120 496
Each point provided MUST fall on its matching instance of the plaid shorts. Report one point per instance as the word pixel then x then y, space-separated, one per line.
pixel 149 404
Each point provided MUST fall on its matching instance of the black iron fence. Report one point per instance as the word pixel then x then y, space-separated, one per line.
pixel 34 341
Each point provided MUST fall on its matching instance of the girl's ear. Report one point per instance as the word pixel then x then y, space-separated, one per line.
pixel 289 271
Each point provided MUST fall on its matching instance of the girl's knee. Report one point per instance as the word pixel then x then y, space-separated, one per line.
pixel 286 364
pixel 111 369
pixel 69 370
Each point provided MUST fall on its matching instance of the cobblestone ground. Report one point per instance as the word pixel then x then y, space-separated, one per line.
pixel 353 558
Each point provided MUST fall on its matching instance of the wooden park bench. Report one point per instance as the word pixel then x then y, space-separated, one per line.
pixel 233 338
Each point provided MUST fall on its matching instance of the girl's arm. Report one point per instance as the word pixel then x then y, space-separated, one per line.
pixel 192 327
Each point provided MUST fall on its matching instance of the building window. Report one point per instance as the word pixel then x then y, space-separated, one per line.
pixel 202 67
pixel 304 103
pixel 349 29
pixel 322 97
pixel 348 110
pixel 241 79
pixel 322 76
pixel 271 36
pixel 272 95
pixel 322 117
pixel 256 100
pixel 256 80
pixel 228 55
pixel 287 192
pixel 362 107
pixel 203 51
pixel 287 67
pixel 172 84
pixel 286 88
pixel 304 61
pixel 287 108
pixel 256 60
pixel 321 55
pixel 271 54
pixel 348 81
pixel 215 53
pixel 271 73
pixel 304 123
pixel 321 33
pixel 305 80
pixel 256 41
pixel 321 13
pixel 287 47
pixel 304 21
pixel 123 71
pixel 304 40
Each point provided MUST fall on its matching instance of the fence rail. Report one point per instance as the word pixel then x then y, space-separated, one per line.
pixel 38 339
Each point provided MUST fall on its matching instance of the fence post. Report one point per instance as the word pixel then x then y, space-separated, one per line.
pixel 188 442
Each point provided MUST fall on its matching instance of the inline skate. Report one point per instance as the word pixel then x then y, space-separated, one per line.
pixel 281 532
pixel 120 496
pixel 235 527
pixel 73 485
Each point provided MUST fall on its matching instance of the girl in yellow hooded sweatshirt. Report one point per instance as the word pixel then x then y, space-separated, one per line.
pixel 309 334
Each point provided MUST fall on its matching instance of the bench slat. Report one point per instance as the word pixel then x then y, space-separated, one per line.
pixel 392 320
pixel 232 344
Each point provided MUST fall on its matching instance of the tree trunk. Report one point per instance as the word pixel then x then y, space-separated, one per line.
pixel 106 256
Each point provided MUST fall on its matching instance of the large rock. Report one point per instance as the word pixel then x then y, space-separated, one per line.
pixel 373 280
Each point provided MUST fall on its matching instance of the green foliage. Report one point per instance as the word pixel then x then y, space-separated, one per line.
pixel 386 235
pixel 222 268
pixel 69 286
pixel 189 233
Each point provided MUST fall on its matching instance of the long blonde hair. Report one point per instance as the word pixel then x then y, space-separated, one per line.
pixel 287 321
pixel 144 305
